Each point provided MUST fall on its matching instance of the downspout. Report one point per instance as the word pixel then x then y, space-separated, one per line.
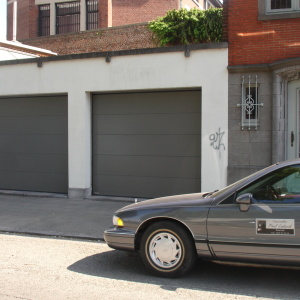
pixel 14 18
pixel 15 21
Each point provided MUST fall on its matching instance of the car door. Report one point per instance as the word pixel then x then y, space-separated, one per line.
pixel 267 230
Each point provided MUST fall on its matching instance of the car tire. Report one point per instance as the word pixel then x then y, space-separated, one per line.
pixel 167 249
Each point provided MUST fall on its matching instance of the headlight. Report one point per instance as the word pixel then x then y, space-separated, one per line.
pixel 117 221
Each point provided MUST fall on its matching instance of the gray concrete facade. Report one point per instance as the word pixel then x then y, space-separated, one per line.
pixel 254 149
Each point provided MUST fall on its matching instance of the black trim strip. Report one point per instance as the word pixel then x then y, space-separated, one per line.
pixel 253 244
pixel 212 253
pixel 201 241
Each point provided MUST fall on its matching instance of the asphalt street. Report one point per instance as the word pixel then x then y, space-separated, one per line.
pixel 48 268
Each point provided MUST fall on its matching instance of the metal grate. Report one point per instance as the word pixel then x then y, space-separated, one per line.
pixel 250 105
pixel 92 11
pixel 44 20
pixel 67 17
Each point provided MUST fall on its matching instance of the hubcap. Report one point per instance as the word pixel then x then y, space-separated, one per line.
pixel 165 250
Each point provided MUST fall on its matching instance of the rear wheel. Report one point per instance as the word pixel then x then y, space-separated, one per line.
pixel 167 249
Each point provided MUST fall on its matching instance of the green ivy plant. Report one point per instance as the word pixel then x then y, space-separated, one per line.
pixel 182 27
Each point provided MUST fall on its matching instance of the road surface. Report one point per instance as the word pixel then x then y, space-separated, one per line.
pixel 43 268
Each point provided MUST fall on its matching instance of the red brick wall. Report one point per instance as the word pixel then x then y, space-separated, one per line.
pixel 256 42
pixel 33 19
pixel 27 13
pixel 111 13
pixel 138 11
pixel 105 13
pixel 23 19
pixel 106 39
pixel 225 20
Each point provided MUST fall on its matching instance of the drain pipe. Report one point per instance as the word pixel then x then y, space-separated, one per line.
pixel 15 21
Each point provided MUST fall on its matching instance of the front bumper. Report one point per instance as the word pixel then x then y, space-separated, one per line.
pixel 119 238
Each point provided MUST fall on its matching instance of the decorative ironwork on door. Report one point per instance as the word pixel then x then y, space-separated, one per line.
pixel 249 104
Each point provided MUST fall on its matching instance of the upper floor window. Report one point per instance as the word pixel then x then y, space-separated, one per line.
pixel 44 20
pixel 207 4
pixel 67 17
pixel 282 6
pixel 92 11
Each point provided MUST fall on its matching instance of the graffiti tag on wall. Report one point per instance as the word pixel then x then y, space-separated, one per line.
pixel 216 141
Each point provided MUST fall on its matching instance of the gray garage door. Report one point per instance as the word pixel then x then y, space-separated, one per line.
pixel 33 144
pixel 147 144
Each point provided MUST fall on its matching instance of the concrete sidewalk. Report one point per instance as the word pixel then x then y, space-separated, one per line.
pixel 57 216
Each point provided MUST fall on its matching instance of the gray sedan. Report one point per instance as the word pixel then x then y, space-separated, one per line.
pixel 255 220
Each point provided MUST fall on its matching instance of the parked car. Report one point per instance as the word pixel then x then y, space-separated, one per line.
pixel 255 220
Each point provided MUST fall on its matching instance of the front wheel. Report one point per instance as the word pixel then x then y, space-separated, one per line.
pixel 167 249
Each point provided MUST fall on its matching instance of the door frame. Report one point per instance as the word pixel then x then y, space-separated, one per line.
pixel 293 122
pixel 283 72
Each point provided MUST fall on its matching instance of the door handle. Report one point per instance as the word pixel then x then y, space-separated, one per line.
pixel 292 138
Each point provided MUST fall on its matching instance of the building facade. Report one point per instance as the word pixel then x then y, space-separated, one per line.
pixel 135 123
pixel 264 83
pixel 35 18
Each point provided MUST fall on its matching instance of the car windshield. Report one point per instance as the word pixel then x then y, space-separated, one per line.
pixel 240 181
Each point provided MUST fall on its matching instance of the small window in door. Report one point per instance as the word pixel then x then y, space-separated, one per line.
pixel 280 186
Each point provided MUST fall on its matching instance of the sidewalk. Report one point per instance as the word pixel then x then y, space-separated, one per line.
pixel 57 216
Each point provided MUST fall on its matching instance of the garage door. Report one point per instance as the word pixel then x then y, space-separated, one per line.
pixel 33 144
pixel 147 144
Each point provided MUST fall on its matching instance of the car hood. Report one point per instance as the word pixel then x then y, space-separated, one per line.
pixel 178 200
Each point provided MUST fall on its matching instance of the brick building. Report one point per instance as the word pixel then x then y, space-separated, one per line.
pixel 35 18
pixel 264 83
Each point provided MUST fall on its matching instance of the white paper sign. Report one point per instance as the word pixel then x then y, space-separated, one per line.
pixel 275 226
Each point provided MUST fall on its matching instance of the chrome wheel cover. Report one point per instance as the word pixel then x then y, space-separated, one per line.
pixel 165 250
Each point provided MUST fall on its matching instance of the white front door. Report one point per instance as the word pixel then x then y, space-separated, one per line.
pixel 293 132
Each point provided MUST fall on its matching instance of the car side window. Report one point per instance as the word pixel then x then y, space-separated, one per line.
pixel 229 200
pixel 280 186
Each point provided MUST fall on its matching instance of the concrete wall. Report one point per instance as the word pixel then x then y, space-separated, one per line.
pixel 82 75
pixel 262 45
pixel 254 149
pixel 250 150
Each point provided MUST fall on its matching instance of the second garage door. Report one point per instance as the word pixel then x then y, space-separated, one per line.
pixel 147 145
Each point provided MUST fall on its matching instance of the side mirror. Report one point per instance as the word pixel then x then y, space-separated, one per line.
pixel 244 201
